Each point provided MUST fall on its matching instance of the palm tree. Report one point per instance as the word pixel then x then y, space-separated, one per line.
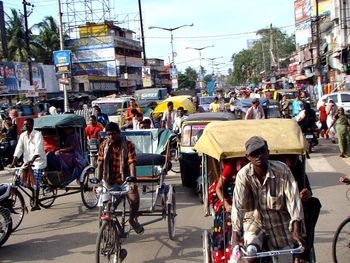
pixel 16 37
pixel 46 41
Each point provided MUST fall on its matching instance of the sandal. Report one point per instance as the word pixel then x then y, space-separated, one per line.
pixel 138 228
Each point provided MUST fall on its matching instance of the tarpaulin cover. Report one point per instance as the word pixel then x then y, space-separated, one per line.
pixel 222 140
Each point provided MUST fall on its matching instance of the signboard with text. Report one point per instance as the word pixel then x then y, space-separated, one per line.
pixel 93 55
pixel 62 61
pixel 302 10
pixel 90 43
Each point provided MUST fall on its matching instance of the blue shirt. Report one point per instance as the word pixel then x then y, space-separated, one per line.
pixel 296 107
pixel 103 119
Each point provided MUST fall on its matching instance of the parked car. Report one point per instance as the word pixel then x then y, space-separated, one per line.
pixel 192 129
pixel 341 99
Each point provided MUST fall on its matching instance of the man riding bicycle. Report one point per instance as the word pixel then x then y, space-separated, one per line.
pixel 266 206
pixel 116 162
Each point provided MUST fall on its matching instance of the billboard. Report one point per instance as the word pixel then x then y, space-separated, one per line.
pixel 104 68
pixel 93 31
pixel 90 43
pixel 302 10
pixel 303 33
pixel 146 77
pixel 324 7
pixel 93 55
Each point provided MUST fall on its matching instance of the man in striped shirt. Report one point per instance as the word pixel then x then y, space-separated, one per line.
pixel 266 206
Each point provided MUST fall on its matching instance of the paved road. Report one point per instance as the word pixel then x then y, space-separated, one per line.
pixel 67 231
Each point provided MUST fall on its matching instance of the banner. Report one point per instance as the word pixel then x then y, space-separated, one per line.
pixel 324 7
pixel 93 55
pixel 90 43
pixel 105 68
pixel 303 33
pixel 302 10
pixel 146 77
pixel 93 31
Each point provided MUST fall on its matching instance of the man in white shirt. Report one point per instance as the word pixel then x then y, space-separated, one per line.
pixel 169 116
pixel 31 146
pixel 179 119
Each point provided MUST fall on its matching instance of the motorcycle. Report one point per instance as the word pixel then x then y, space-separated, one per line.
pixel 6 153
pixel 5 213
pixel 311 136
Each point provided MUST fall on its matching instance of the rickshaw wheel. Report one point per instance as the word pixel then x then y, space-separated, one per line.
pixel 18 209
pixel 207 253
pixel 108 244
pixel 171 216
pixel 5 225
pixel 46 192
pixel 88 193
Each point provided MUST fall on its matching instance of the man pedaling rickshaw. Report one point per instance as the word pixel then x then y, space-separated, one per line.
pixel 116 162
pixel 266 207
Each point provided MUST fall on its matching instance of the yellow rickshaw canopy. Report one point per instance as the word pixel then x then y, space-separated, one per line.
pixel 179 101
pixel 222 140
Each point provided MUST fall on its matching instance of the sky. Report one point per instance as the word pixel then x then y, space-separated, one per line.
pixel 224 24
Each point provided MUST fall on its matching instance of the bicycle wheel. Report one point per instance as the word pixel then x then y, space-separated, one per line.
pixel 341 243
pixel 88 191
pixel 171 216
pixel 18 208
pixel 5 225
pixel 108 244
pixel 47 196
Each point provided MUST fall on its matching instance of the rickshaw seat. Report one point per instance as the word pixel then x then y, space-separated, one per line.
pixel 150 159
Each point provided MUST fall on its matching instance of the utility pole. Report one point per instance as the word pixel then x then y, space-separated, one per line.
pixel 142 36
pixel 64 76
pixel 318 53
pixel 273 60
pixel 25 4
pixel 3 32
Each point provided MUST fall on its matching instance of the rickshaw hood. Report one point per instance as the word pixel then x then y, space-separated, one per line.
pixel 179 101
pixel 59 120
pixel 222 140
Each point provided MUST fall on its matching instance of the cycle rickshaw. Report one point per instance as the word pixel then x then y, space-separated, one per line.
pixel 222 142
pixel 153 163
pixel 55 178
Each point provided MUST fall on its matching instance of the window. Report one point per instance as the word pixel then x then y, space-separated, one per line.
pixel 334 98
pixel 345 98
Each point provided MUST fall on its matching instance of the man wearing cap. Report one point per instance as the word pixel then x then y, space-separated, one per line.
pixel 266 206
pixel 255 111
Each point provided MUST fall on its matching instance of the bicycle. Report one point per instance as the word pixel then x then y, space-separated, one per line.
pixel 341 239
pixel 174 146
pixel 114 230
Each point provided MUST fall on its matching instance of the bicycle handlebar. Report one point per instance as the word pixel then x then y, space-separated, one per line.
pixel 271 253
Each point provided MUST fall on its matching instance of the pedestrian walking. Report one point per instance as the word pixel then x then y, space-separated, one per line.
pixel 255 111
pixel 342 127
pixel 323 119
pixel 331 111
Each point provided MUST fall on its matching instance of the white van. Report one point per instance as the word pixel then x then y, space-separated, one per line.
pixel 113 107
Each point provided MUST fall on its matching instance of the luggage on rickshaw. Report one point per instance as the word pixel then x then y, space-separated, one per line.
pixel 222 142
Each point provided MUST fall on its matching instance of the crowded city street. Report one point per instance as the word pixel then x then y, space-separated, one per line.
pixel 67 231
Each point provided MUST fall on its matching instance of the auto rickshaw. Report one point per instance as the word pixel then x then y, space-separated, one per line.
pixel 222 142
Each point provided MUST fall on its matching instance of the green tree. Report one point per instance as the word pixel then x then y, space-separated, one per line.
pixel 46 41
pixel 250 65
pixel 188 79
pixel 16 37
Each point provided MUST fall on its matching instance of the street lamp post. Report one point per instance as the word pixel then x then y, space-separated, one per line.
pixel 171 38
pixel 212 62
pixel 200 62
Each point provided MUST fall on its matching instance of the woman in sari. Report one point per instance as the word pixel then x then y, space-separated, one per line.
pixel 220 198
pixel 342 128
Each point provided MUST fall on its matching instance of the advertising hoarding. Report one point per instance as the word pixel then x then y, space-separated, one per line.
pixel 146 77
pixel 93 31
pixel 93 55
pixel 302 10
pixel 303 33
pixel 324 7
pixel 104 68
pixel 90 43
